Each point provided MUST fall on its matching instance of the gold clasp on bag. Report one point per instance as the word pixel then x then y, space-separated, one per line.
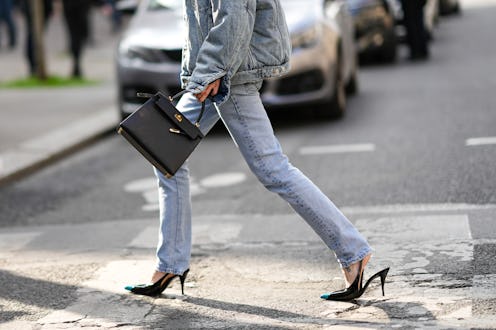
pixel 178 117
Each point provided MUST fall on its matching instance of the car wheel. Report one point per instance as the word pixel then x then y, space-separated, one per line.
pixel 352 85
pixel 336 106
pixel 389 49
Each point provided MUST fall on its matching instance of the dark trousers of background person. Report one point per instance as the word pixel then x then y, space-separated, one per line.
pixel 6 17
pixel 115 15
pixel 416 34
pixel 76 13
pixel 28 15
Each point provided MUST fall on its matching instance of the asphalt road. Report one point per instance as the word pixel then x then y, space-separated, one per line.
pixel 409 164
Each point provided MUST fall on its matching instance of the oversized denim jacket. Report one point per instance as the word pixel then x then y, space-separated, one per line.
pixel 240 41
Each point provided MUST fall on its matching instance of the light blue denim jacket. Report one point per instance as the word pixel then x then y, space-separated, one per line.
pixel 240 41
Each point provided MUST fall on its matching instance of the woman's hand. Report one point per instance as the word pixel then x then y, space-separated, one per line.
pixel 212 89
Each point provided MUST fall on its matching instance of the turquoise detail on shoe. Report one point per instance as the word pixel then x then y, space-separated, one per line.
pixel 324 296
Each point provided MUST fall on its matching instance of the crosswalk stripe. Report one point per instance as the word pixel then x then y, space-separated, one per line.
pixel 480 141
pixel 337 148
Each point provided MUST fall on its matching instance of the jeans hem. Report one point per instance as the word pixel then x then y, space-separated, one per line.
pixel 170 270
pixel 364 252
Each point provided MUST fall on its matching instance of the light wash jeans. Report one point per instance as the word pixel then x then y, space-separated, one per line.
pixel 246 120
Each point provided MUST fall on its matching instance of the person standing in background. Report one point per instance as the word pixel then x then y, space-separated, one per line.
pixel 416 34
pixel 110 9
pixel 6 16
pixel 76 14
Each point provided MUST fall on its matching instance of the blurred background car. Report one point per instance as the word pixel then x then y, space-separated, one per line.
pixel 323 64
pixel 149 53
pixel 375 30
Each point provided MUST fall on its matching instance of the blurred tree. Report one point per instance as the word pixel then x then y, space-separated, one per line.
pixel 38 40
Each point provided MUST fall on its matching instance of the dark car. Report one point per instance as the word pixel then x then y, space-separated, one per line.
pixel 375 32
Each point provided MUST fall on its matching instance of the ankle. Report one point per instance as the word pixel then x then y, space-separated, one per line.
pixel 353 270
pixel 157 275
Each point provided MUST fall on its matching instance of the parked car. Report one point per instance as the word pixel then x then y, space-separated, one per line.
pixel 323 62
pixel 375 31
pixel 324 66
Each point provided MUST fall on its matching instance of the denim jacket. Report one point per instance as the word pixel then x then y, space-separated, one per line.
pixel 240 41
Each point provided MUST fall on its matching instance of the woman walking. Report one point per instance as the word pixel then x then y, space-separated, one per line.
pixel 231 47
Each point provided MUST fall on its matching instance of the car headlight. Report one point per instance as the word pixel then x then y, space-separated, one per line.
pixel 139 53
pixel 307 38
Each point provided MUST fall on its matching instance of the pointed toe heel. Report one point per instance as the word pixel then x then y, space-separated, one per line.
pixel 159 286
pixel 356 289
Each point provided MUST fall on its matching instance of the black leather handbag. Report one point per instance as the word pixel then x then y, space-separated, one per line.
pixel 161 133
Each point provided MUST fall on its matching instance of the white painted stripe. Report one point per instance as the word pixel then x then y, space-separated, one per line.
pixel 218 233
pixel 223 180
pixel 337 148
pixel 16 241
pixel 480 141
pixel 414 208
pixel 484 286
pixel 146 239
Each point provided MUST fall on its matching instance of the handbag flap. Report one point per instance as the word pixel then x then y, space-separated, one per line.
pixel 191 130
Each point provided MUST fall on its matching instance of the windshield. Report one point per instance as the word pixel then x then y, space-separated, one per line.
pixel 164 4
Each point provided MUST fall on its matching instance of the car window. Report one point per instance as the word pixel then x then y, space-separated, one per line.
pixel 164 4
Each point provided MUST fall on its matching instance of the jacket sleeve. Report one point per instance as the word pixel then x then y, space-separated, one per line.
pixel 226 44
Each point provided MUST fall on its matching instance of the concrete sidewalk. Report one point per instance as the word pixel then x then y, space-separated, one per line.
pixel 39 125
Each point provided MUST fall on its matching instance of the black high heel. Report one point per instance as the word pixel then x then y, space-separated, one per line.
pixel 383 273
pixel 159 286
pixel 355 290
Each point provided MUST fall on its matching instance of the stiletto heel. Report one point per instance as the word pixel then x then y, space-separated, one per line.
pixel 382 274
pixel 355 290
pixel 383 279
pixel 182 278
pixel 159 286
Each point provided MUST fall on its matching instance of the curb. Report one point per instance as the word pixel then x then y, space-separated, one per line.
pixel 33 154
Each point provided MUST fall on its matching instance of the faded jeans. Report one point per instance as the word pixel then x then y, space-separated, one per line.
pixel 246 120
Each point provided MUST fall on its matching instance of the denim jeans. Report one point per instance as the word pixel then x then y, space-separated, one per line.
pixel 246 120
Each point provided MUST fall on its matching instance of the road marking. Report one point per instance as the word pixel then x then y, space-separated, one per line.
pixel 148 187
pixel 16 241
pixel 101 302
pixel 415 208
pixel 417 247
pixel 337 148
pixel 223 180
pixel 481 141
pixel 202 234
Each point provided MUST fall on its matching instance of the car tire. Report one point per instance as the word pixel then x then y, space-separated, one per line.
pixel 352 85
pixel 336 106
pixel 389 50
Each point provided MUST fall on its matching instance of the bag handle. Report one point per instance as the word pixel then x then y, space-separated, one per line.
pixel 172 98
pixel 197 122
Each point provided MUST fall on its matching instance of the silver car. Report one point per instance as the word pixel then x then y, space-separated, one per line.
pixel 323 63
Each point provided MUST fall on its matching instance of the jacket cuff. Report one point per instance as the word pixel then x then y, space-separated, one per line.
pixel 222 95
